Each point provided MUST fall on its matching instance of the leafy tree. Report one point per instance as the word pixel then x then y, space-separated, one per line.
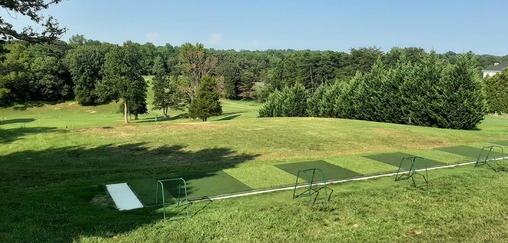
pixel 34 73
pixel 165 88
pixel 31 9
pixel 148 53
pixel 123 80
pixel 50 79
pixel 14 78
pixel 85 63
pixel 497 92
pixel 194 64
pixel 206 103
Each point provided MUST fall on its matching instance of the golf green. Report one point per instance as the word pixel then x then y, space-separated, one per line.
pixel 468 151
pixel 331 171
pixel 395 159
pixel 211 184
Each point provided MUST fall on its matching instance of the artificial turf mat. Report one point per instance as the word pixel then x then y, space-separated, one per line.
pixel 503 143
pixel 468 151
pixel 331 171
pixel 395 159
pixel 211 184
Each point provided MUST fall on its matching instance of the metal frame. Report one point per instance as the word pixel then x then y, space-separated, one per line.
pixel 182 186
pixel 310 175
pixel 488 149
pixel 410 174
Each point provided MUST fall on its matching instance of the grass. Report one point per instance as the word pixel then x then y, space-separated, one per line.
pixel 56 159
pixel 454 208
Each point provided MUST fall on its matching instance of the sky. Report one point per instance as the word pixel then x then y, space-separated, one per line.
pixel 442 25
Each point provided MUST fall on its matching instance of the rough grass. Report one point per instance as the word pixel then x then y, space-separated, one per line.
pixel 56 159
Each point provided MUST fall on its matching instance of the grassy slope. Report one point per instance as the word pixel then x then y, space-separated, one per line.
pixel 461 205
pixel 55 159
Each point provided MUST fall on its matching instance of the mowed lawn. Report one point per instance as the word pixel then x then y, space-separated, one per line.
pixel 56 159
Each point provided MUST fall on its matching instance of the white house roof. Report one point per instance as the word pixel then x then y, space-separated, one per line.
pixel 499 67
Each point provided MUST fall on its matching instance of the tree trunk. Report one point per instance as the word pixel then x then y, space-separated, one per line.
pixel 126 112
pixel 136 117
pixel 165 111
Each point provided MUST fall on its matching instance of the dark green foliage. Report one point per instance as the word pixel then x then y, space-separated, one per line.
pixel 34 73
pixel 32 10
pixel 123 80
pixel 260 92
pixel 462 96
pixel 165 89
pixel 425 92
pixel 206 103
pixel 290 102
pixel 85 64
pixel 497 92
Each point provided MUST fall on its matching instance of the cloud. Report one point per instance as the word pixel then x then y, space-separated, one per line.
pixel 152 37
pixel 216 38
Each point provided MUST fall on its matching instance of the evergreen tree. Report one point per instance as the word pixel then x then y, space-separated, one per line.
pixel 462 96
pixel 206 103
pixel 165 88
pixel 496 88
pixel 290 102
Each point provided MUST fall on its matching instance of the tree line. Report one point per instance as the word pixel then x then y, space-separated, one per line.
pixel 93 72
pixel 427 91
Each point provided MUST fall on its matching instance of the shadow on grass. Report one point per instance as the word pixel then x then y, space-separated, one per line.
pixel 227 118
pixel 13 134
pixel 156 119
pixel 19 120
pixel 58 194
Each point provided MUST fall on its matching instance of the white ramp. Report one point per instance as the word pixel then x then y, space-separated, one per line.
pixel 123 196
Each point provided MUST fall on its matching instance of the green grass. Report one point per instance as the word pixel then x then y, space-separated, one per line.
pixel 56 159
pixel 456 207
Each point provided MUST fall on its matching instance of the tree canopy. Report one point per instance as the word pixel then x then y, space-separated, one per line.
pixel 31 9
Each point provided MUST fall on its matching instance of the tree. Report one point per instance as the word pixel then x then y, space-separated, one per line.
pixel 85 64
pixel 165 90
pixel 497 92
pixel 34 73
pixel 206 103
pixel 194 64
pixel 461 91
pixel 290 102
pixel 123 80
pixel 31 9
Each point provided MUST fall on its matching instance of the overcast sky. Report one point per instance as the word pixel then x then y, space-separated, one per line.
pixel 480 26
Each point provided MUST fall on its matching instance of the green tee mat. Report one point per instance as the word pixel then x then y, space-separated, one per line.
pixel 208 185
pixel 395 158
pixel 503 143
pixel 331 171
pixel 468 151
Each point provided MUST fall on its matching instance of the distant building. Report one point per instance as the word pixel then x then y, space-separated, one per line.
pixel 494 69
